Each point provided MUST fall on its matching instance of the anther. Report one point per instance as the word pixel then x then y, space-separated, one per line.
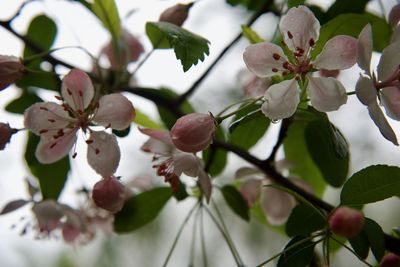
pixel 276 56
pixel 43 131
pixel 97 151
pixel 74 155
pixel 311 42
pixel 44 108
pixel 89 142
pixel 58 97
pixel 51 120
pixel 285 65
pixel 69 91
pixel 80 93
pixel 274 70
pixel 290 35
pixel 53 145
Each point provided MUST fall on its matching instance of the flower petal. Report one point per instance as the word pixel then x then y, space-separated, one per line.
pixel 160 135
pixel 394 15
pixel 364 49
pixel 264 59
pixel 389 62
pixel 299 28
pixel 52 150
pixel 115 111
pixel 338 53
pixel 281 100
pixel 365 91
pixel 77 90
pixel 205 184
pixel 326 94
pixel 44 118
pixel 250 190
pixel 103 153
pixel 186 163
pixel 276 204
pixel 379 119
pixel 395 34
pixel 391 101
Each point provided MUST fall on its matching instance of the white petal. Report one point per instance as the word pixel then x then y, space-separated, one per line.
pixel 46 116
pixel 365 91
pixel 303 27
pixel 338 53
pixel 276 204
pixel 396 34
pixel 364 49
pixel 389 62
pixel 205 184
pixel 160 135
pixel 250 190
pixel 384 127
pixel 186 163
pixel 77 90
pixel 246 172
pixel 156 146
pixel 281 100
pixel 115 111
pixel 103 153
pixel 50 150
pixel 259 59
pixel 391 101
pixel 326 94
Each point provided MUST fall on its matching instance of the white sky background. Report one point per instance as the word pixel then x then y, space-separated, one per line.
pixel 77 27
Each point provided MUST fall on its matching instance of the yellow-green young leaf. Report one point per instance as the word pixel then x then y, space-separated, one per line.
pixel 107 12
pixel 251 35
pixel 371 184
pixel 145 121
pixel 141 209
pixel 189 48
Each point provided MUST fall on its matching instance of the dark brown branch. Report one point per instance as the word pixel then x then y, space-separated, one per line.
pixel 281 137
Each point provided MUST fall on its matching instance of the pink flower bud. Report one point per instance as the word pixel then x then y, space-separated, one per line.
pixel 193 132
pixel 394 15
pixel 390 260
pixel 346 222
pixel 109 194
pixel 176 14
pixel 5 134
pixel 10 70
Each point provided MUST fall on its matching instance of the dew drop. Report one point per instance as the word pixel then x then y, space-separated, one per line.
pixel 275 121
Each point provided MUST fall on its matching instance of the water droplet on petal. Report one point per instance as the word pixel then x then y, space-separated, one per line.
pixel 275 121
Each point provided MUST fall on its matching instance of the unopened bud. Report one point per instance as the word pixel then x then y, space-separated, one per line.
pixel 390 260
pixel 193 132
pixel 346 222
pixel 109 194
pixel 176 14
pixel 11 70
pixel 394 15
pixel 5 134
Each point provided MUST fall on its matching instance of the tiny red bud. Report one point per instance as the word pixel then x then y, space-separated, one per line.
pixel 5 134
pixel 193 132
pixel 10 70
pixel 346 222
pixel 390 260
pixel 176 14
pixel 109 194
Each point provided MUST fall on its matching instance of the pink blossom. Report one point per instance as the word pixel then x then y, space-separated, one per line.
pixel 5 134
pixel 48 214
pixel 58 125
pixel 176 14
pixel 252 85
pixel 394 15
pixel 300 31
pixel 11 69
pixel 346 222
pixel 390 260
pixel 120 53
pixel 193 132
pixel 383 85
pixel 109 194
pixel 171 163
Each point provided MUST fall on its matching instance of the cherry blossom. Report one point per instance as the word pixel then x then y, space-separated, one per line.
pixel 252 85
pixel 193 132
pixel 300 31
pixel 58 124
pixel 171 163
pixel 11 69
pixel 383 85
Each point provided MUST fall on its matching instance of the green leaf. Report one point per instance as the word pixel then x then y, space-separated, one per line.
pixel 189 48
pixel 216 157
pixel 52 177
pixel 360 244
pixel 251 35
pixel 46 80
pixel 376 238
pixel 371 184
pixel 145 121
pixel 248 130
pixel 181 193
pixel 249 4
pixel 342 6
pixel 328 149
pixel 236 201
pixel 107 12
pixel 352 24
pixel 295 3
pixel 42 32
pixel 122 133
pixel 141 209
pixel 298 253
pixel 24 101
pixel 304 220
